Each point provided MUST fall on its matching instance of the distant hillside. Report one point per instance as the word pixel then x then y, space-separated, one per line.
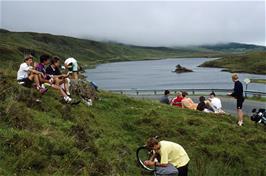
pixel 254 62
pixel 13 45
pixel 234 47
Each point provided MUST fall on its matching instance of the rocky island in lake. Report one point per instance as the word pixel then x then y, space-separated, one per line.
pixel 180 69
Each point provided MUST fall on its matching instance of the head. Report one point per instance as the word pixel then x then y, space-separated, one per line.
pixel 179 94
pixel 201 99
pixel 166 92
pixel 184 94
pixel 55 61
pixel 28 59
pixel 44 59
pixel 234 77
pixel 153 143
pixel 212 94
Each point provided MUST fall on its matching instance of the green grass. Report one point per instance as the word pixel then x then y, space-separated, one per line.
pixel 53 138
pixel 253 62
pixel 260 81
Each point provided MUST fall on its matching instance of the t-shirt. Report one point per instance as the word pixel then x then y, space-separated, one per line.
pixel 173 153
pixel 165 99
pixel 177 101
pixel 216 102
pixel 70 60
pixel 41 68
pixel 189 104
pixel 23 71
pixel 52 71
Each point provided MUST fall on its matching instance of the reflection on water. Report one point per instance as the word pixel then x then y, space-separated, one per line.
pixel 156 74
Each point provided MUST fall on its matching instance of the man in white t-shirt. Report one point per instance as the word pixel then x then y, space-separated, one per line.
pixel 26 75
pixel 215 103
pixel 72 65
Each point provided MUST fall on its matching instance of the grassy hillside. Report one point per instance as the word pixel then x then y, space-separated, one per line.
pixel 13 45
pixel 254 62
pixel 53 138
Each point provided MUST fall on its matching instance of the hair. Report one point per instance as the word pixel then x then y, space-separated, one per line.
pixel 212 93
pixel 234 76
pixel 179 94
pixel 27 57
pixel 44 57
pixel 151 142
pixel 55 59
pixel 166 92
pixel 184 94
pixel 201 98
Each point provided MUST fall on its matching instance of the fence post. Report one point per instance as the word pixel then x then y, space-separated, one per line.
pixel 155 92
pixel 137 92
pixel 193 92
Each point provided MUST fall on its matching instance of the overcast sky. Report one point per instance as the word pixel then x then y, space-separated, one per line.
pixel 149 23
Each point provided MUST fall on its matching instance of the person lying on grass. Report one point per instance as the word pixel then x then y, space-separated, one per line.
pixel 172 154
pixel 27 76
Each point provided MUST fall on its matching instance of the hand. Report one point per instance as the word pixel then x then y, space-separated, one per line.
pixel 148 163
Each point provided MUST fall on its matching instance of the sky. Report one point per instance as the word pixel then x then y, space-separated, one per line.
pixel 145 23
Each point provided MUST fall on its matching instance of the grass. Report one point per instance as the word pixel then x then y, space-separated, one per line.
pixel 254 62
pixel 260 81
pixel 53 138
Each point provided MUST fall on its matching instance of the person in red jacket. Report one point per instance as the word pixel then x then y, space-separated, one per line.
pixel 177 100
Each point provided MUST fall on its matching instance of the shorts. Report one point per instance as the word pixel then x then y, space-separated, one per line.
pixel 239 103
pixel 26 82
pixel 74 67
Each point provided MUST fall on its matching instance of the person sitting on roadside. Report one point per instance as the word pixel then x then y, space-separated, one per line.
pixel 215 103
pixel 165 99
pixel 174 158
pixel 72 65
pixel 26 75
pixel 204 105
pixel 54 73
pixel 177 100
pixel 187 102
pixel 45 79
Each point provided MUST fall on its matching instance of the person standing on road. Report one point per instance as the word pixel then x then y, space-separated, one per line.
pixel 238 95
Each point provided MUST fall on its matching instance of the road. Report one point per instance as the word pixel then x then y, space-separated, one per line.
pixel 228 103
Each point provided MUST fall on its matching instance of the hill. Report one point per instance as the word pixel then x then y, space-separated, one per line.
pixel 13 45
pixel 253 62
pixel 54 138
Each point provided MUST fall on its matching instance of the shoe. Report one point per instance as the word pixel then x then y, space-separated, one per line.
pixel 67 99
pixel 240 123
pixel 43 90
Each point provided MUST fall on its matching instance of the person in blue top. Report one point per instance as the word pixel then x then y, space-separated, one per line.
pixel 238 95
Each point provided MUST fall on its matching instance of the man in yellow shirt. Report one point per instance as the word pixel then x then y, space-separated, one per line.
pixel 171 153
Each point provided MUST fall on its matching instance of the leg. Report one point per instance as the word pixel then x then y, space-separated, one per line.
pixel 183 171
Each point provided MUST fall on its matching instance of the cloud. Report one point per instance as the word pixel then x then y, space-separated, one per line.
pixel 142 23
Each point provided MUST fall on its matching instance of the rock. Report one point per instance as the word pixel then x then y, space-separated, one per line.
pixel 180 69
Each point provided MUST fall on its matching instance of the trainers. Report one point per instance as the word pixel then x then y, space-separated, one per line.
pixel 240 123
pixel 43 90
pixel 67 99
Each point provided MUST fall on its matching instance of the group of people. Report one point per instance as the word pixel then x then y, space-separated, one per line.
pixel 47 73
pixel 211 104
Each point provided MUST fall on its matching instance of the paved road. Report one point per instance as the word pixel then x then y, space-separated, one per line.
pixel 229 104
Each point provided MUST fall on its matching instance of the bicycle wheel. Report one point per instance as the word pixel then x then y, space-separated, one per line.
pixel 144 154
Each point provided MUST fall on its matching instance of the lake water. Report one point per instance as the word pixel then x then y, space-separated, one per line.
pixel 157 74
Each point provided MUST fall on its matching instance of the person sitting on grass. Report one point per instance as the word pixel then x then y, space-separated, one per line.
pixel 173 157
pixel 204 105
pixel 54 73
pixel 216 103
pixel 187 102
pixel 45 79
pixel 177 100
pixel 26 75
pixel 72 65
pixel 165 99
